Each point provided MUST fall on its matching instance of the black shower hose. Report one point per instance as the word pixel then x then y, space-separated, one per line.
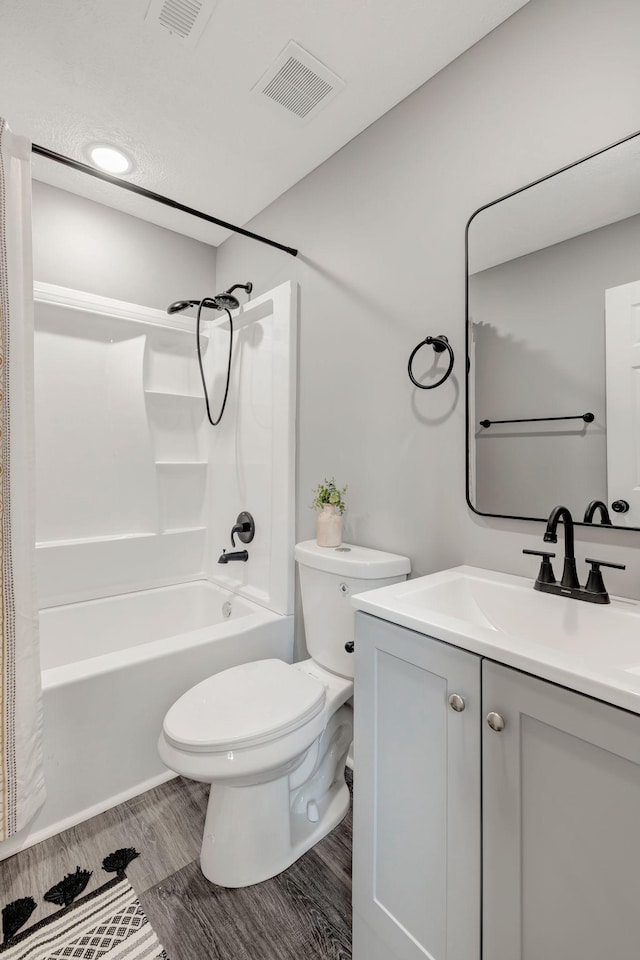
pixel 205 303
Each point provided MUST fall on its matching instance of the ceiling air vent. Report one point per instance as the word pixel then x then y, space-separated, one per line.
pixel 184 19
pixel 298 83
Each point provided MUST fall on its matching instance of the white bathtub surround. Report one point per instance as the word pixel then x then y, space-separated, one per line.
pixel 21 782
pixel 137 496
pixel 111 668
pixel 253 448
pixel 121 466
pixel 135 489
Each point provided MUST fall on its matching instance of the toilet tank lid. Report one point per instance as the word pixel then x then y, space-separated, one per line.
pixel 348 560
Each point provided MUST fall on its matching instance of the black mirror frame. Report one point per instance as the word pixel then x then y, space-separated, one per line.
pixel 468 435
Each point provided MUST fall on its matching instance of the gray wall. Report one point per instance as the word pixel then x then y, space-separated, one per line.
pixel 86 246
pixel 381 226
pixel 538 324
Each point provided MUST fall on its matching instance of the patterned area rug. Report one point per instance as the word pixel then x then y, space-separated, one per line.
pixel 107 924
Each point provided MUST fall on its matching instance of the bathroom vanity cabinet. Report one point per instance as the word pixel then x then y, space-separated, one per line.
pixel 497 815
pixel 416 863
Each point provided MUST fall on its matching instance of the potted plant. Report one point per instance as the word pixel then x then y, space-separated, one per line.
pixel 328 498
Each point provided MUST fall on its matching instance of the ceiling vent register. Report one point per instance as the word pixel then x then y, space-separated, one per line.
pixel 184 19
pixel 298 83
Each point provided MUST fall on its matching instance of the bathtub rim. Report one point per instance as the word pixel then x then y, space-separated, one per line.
pixel 106 663
pixel 279 642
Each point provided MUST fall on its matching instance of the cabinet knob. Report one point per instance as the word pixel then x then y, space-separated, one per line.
pixel 456 702
pixel 495 721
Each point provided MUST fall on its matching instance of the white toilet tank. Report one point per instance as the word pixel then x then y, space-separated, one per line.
pixel 329 576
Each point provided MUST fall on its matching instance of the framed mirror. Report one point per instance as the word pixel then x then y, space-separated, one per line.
pixel 553 344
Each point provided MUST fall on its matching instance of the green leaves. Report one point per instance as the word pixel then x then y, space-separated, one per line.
pixel 327 492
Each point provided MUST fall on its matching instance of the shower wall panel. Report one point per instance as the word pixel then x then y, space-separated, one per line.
pixel 135 488
pixel 94 468
pixel 252 451
pixel 121 465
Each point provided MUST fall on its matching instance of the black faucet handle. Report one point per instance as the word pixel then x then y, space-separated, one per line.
pixel 245 527
pixel 239 528
pixel 545 573
pixel 596 564
pixel 595 583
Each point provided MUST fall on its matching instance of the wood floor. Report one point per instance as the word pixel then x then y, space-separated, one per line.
pixel 304 912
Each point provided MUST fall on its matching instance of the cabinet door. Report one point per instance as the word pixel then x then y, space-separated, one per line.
pixel 416 869
pixel 561 823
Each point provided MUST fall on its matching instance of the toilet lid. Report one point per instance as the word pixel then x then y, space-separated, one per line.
pixel 244 705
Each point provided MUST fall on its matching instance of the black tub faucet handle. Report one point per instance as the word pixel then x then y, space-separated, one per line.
pixel 245 527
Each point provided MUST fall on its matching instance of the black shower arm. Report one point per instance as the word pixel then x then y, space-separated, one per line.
pixel 247 287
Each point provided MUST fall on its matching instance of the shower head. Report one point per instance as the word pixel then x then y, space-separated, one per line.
pixel 226 300
pixel 222 301
pixel 181 305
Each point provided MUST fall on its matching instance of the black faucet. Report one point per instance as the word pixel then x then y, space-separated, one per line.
pixel 589 513
pixel 234 555
pixel 246 529
pixel 569 574
pixel 595 590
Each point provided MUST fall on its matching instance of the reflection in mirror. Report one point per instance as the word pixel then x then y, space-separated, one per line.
pixel 553 335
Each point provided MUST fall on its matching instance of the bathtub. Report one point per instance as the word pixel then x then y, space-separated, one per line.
pixel 111 668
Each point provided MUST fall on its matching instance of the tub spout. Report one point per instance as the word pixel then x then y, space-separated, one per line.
pixel 234 555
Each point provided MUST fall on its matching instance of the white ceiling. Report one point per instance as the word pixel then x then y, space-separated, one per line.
pixel 74 72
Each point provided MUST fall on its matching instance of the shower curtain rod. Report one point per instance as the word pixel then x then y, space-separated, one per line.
pixel 150 195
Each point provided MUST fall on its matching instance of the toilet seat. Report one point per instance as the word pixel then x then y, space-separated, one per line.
pixel 243 706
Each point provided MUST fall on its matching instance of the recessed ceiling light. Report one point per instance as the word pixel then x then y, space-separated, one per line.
pixel 108 158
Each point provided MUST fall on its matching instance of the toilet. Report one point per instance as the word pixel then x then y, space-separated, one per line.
pixel 272 738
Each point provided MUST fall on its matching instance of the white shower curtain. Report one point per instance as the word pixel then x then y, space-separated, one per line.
pixel 21 779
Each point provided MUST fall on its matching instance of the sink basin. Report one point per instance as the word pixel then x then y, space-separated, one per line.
pixel 589 647
pixel 522 613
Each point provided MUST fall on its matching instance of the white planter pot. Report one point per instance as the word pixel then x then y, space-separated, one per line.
pixel 329 527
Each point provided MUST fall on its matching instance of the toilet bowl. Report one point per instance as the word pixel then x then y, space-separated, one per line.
pixel 272 738
pixel 273 790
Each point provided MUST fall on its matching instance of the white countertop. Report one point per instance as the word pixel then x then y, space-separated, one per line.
pixel 591 648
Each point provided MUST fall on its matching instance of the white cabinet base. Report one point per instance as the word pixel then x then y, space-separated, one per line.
pixel 416 863
pixel 555 810
pixel 561 789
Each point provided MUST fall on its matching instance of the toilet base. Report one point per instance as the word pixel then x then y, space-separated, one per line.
pixel 254 832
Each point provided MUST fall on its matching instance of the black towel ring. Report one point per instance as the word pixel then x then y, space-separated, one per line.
pixel 440 344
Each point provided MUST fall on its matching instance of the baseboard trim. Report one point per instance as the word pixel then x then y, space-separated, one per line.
pixel 25 839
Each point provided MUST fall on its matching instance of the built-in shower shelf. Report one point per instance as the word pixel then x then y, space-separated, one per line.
pixel 105 538
pixel 181 463
pixel 168 531
pixel 173 395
